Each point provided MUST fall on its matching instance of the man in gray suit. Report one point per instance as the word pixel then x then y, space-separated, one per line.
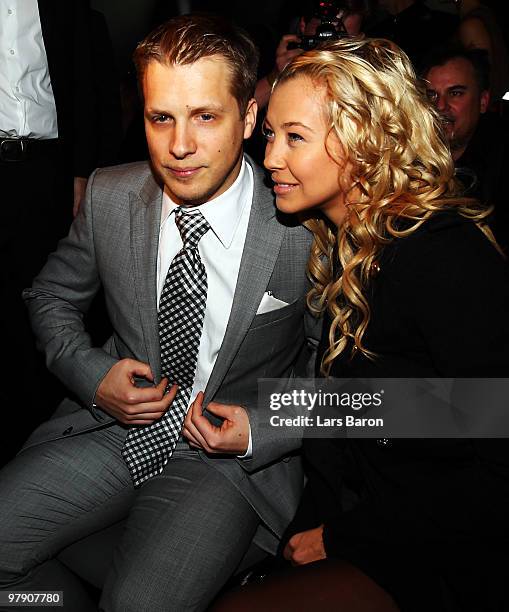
pixel 191 515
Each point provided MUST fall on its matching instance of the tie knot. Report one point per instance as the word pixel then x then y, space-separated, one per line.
pixel 192 227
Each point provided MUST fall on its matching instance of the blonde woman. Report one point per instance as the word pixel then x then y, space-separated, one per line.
pixel 411 284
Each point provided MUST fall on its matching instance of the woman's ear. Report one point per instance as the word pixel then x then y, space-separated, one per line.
pixel 335 148
pixel 338 154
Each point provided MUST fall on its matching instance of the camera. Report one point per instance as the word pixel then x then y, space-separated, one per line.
pixel 330 27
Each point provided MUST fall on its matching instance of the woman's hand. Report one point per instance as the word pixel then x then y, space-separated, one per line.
pixel 305 547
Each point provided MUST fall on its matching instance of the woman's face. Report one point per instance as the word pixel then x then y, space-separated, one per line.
pixel 305 159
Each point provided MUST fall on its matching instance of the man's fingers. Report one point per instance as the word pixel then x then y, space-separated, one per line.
pixel 156 394
pixel 149 407
pixel 193 441
pixel 170 396
pixel 197 405
pixel 190 431
pixel 200 427
pixel 145 416
pixel 140 419
pixel 141 422
pixel 195 417
pixel 161 387
pixel 138 368
pixel 141 395
pixel 221 410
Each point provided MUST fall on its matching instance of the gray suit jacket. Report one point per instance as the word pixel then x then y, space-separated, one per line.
pixel 114 242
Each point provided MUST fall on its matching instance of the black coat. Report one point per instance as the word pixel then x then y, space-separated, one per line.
pixel 427 519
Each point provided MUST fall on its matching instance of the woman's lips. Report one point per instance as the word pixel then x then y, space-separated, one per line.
pixel 284 188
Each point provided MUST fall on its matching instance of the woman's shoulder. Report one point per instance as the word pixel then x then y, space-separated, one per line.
pixel 449 222
pixel 445 238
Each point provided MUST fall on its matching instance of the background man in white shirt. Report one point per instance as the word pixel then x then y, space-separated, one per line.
pixel 190 523
pixel 52 97
pixel 35 179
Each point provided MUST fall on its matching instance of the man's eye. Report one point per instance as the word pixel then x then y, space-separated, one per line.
pixel 432 95
pixel 206 117
pixel 456 93
pixel 160 118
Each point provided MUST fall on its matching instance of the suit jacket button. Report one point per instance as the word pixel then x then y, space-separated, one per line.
pixel 67 431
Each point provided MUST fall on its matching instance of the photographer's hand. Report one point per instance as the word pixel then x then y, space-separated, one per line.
pixel 283 56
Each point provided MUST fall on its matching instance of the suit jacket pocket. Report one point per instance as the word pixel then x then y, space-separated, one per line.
pixel 276 316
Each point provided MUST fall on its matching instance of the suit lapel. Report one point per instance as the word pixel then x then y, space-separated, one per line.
pixel 263 242
pixel 145 223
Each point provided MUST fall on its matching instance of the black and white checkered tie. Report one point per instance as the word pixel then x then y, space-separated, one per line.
pixel 181 308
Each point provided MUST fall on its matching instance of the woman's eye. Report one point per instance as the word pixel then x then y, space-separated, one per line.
pixel 267 133
pixel 292 137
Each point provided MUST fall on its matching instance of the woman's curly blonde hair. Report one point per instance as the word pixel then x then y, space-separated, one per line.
pixel 402 173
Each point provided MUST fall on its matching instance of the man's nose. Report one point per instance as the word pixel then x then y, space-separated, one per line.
pixel 182 142
pixel 442 103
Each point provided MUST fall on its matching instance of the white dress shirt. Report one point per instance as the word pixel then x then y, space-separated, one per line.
pixel 27 104
pixel 220 250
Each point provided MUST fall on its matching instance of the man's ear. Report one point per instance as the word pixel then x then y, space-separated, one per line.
pixel 485 101
pixel 302 25
pixel 250 118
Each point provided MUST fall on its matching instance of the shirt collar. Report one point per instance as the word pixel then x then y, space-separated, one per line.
pixel 222 213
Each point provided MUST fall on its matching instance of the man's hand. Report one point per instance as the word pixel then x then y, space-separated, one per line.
pixel 231 438
pixel 80 187
pixel 122 399
pixel 305 547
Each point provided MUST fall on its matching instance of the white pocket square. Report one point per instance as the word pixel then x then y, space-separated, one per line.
pixel 269 303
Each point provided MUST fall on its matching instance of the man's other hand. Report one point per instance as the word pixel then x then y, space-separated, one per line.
pixel 232 437
pixel 119 396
